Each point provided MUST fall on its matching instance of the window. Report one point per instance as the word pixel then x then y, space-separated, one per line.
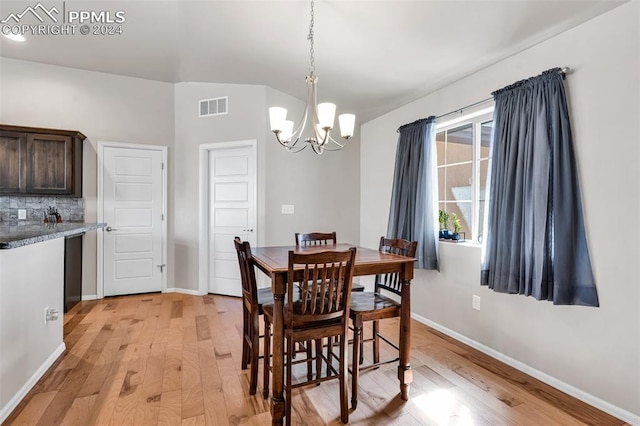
pixel 463 147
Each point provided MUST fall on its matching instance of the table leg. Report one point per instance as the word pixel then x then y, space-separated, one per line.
pixel 405 374
pixel 355 368
pixel 277 398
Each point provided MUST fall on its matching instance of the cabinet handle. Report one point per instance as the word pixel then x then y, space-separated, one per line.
pixel 109 229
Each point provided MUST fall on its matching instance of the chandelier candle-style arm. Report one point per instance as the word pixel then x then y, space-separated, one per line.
pixel 322 117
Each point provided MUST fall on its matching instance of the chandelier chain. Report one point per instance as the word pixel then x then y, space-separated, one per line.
pixel 312 67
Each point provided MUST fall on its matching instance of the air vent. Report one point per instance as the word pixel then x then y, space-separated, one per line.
pixel 215 106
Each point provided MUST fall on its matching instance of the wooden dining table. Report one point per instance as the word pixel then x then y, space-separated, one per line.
pixel 273 261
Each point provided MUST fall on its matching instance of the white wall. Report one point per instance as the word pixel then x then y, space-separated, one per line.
pixel 28 346
pixel 595 350
pixel 244 121
pixel 104 107
pixel 324 189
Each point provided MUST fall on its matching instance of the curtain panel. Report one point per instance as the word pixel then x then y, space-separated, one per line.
pixel 413 211
pixel 536 243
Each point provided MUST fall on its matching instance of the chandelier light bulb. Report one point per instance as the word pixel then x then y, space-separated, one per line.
pixel 326 115
pixel 347 125
pixel 287 131
pixel 277 118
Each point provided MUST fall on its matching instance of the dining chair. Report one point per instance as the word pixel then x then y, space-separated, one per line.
pixel 375 306
pixel 253 301
pixel 324 280
pixel 315 238
pixel 321 238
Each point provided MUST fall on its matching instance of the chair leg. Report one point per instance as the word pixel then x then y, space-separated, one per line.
pixel 245 338
pixel 289 359
pixel 309 360
pixel 267 357
pixel 344 372
pixel 355 367
pixel 255 353
pixel 318 358
pixel 330 354
pixel 376 343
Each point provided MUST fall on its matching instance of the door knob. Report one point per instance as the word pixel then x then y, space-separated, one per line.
pixel 109 229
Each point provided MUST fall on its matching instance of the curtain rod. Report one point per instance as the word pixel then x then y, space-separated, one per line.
pixel 563 70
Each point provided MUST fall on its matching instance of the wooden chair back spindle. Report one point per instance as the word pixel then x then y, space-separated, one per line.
pixel 315 239
pixel 391 282
pixel 324 286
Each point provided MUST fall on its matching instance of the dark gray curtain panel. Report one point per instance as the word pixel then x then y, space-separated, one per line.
pixel 536 243
pixel 412 214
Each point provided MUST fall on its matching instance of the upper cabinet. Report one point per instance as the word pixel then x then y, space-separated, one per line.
pixel 13 148
pixel 40 161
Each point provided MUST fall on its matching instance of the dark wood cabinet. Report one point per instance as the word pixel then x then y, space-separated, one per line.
pixel 13 152
pixel 40 161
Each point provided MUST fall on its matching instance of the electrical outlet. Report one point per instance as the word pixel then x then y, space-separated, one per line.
pixel 51 314
pixel 475 302
pixel 22 214
pixel 287 209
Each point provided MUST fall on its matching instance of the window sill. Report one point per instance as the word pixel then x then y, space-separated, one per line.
pixel 466 243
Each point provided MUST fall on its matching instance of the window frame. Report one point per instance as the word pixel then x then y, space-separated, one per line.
pixel 476 118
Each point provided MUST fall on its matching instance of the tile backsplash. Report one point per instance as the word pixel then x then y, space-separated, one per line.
pixel 71 209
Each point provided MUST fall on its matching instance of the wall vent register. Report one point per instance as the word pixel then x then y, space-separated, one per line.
pixel 215 106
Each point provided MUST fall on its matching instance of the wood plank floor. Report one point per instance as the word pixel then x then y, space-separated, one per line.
pixel 174 359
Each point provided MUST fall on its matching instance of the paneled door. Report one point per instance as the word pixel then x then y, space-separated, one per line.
pixel 132 194
pixel 232 212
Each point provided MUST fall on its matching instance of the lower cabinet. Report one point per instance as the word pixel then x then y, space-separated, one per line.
pixel 72 271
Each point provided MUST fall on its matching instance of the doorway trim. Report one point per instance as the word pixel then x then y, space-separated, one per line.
pixel 100 209
pixel 203 215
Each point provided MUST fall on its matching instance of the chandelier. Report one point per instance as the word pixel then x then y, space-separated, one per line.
pixel 321 117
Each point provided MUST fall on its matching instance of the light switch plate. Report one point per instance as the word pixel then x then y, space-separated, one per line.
pixel 475 302
pixel 22 214
pixel 288 209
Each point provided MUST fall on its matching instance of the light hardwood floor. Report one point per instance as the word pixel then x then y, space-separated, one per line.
pixel 174 359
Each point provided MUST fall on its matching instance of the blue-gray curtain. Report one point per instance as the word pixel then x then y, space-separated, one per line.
pixel 413 212
pixel 536 243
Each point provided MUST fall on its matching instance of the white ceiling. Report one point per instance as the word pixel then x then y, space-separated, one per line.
pixel 371 56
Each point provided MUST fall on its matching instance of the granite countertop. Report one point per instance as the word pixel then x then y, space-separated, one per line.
pixel 22 235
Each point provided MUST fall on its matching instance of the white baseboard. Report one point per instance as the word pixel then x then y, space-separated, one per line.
pixel 594 401
pixel 24 390
pixel 169 290
pixel 185 291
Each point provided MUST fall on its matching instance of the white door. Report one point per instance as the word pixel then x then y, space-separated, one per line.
pixel 232 212
pixel 132 182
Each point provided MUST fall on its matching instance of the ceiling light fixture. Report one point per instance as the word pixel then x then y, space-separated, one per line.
pixel 322 116
pixel 15 37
